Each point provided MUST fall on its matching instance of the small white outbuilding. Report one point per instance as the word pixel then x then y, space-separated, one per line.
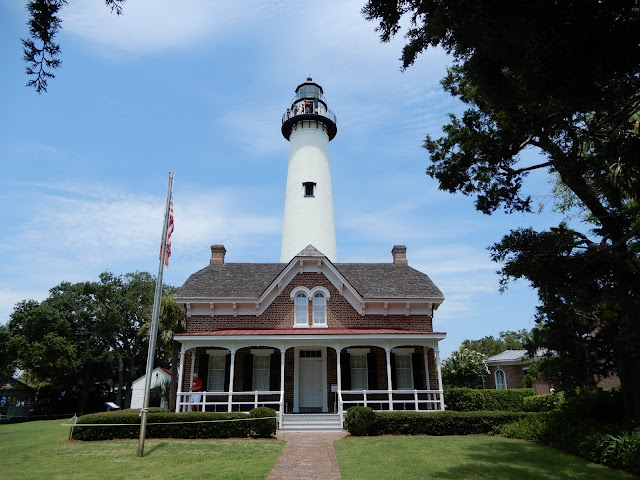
pixel 159 376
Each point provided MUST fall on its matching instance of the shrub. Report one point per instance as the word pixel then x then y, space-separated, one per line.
pixel 359 420
pixel 618 451
pixel 441 423
pixel 161 424
pixel 543 403
pixel 603 406
pixel 470 400
pixel 553 429
pixel 263 428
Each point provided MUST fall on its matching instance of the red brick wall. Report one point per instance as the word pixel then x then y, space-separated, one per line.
pixel 514 375
pixel 340 313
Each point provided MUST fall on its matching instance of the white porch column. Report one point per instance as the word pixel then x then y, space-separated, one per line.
pixel 193 366
pixel 282 354
pixel 180 378
pixel 440 380
pixel 426 373
pixel 389 384
pixel 426 367
pixel 339 380
pixel 231 375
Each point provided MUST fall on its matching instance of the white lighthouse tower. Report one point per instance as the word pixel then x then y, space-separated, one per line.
pixel 308 208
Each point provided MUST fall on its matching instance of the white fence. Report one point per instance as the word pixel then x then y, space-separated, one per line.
pixel 388 400
pixel 230 401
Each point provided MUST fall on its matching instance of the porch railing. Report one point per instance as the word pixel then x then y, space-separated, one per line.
pixel 232 401
pixel 389 400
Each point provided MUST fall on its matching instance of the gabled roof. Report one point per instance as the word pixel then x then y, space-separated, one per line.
pixel 11 384
pixel 249 280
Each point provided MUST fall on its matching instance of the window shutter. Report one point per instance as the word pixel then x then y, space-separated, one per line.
pixel 247 381
pixel 274 372
pixel 227 371
pixel 393 371
pixel 203 370
pixel 345 367
pixel 418 383
pixel 372 371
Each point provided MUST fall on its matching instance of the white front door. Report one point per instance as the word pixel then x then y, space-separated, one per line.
pixel 310 389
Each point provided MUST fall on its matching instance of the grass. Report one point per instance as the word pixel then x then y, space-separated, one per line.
pixel 28 450
pixel 460 457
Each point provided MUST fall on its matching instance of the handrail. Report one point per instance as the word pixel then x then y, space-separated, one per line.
pixel 184 399
pixel 323 113
pixel 434 399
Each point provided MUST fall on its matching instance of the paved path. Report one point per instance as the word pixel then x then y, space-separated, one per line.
pixel 307 456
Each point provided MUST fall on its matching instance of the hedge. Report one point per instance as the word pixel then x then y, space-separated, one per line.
pixel 472 400
pixel 543 403
pixel 173 425
pixel 433 423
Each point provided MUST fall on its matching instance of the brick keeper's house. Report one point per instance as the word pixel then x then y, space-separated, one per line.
pixel 310 336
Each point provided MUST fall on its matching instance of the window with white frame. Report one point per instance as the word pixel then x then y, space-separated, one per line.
pixel 404 370
pixel 319 309
pixel 359 372
pixel 501 379
pixel 261 369
pixel 217 368
pixel 301 310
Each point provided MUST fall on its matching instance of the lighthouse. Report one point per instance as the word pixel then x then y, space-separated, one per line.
pixel 309 126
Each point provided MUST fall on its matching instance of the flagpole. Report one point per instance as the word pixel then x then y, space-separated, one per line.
pixel 154 321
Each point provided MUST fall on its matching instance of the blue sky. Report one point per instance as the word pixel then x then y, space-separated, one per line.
pixel 199 87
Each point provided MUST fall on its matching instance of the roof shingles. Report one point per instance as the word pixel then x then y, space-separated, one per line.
pixel 249 280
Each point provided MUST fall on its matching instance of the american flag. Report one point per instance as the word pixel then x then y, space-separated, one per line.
pixel 169 232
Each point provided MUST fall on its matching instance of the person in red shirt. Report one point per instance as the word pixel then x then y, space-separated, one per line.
pixel 196 387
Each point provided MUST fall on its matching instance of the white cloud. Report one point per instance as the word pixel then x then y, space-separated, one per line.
pixel 73 233
pixel 148 26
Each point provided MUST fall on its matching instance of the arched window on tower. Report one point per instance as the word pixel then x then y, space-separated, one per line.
pixel 319 309
pixel 301 310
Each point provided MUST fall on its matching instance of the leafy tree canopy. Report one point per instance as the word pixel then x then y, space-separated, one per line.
pixel 84 339
pixel 508 340
pixel 563 79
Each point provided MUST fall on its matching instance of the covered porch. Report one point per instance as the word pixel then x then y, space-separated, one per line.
pixel 298 371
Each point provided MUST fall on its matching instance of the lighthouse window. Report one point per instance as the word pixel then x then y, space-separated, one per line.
pixel 309 188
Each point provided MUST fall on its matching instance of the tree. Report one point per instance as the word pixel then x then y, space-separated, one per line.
pixel 508 340
pixel 84 339
pixel 59 343
pixel 41 52
pixel 465 368
pixel 541 75
pixel 172 320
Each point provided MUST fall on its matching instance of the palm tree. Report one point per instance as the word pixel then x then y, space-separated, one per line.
pixel 172 320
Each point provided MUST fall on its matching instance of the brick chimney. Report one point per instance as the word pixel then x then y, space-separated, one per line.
pixel 399 253
pixel 217 254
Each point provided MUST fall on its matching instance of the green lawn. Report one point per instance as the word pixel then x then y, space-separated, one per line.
pixel 464 457
pixel 28 451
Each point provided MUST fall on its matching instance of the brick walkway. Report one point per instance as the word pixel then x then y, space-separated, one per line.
pixel 307 456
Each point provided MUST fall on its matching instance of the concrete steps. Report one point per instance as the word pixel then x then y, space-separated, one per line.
pixel 311 422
